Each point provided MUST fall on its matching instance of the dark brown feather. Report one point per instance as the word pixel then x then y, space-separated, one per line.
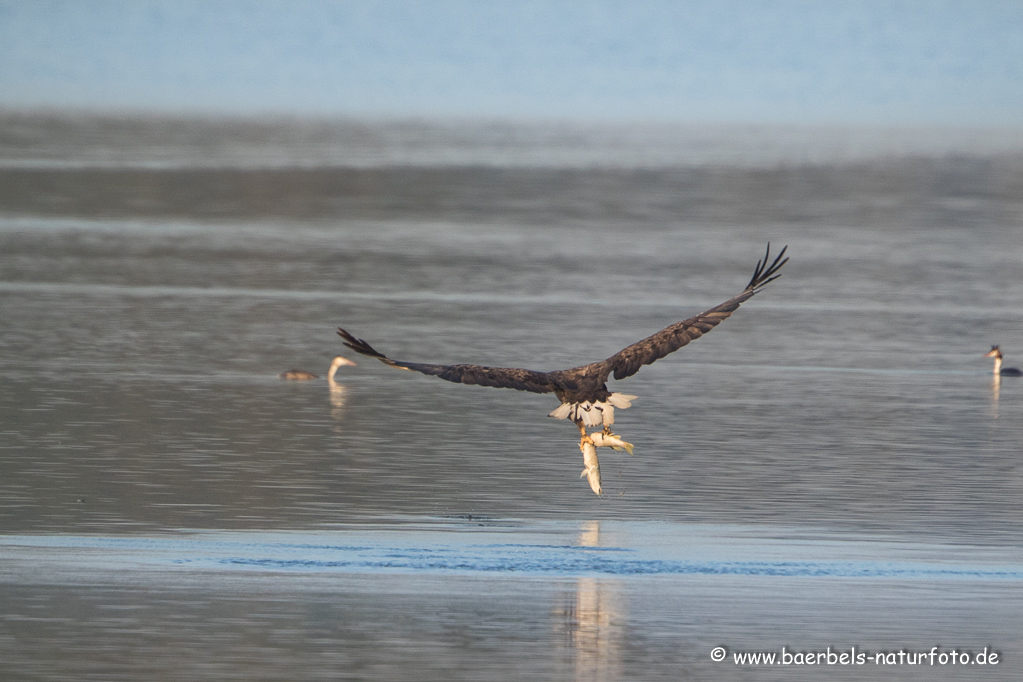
pixel 627 361
pixel 498 377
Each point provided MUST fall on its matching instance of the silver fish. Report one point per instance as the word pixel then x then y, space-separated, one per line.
pixel 610 440
pixel 592 470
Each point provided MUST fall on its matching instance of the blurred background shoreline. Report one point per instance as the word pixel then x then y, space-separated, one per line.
pixel 88 165
pixel 40 138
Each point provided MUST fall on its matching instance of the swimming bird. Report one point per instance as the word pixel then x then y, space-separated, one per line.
pixel 302 375
pixel 582 390
pixel 999 370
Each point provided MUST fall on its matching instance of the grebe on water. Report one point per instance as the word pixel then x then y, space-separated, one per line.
pixel 999 370
pixel 302 375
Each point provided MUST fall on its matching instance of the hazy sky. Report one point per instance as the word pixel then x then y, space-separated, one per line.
pixel 854 61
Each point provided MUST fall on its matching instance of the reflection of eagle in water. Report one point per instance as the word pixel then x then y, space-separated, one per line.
pixel 583 390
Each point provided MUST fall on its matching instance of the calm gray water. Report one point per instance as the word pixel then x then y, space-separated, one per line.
pixel 834 466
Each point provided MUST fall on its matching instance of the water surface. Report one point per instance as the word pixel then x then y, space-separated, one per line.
pixel 833 466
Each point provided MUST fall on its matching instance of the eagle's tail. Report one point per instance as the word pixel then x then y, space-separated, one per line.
pixel 595 413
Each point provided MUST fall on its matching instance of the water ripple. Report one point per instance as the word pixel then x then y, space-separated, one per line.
pixel 589 548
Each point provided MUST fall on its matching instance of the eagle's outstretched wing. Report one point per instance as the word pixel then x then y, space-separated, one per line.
pixel 627 361
pixel 500 377
pixel 624 363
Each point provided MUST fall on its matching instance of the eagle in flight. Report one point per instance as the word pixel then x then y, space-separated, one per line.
pixel 583 390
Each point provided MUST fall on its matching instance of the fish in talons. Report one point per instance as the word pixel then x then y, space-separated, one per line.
pixel 588 443
pixel 591 472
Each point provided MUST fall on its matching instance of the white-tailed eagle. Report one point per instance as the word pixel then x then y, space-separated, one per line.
pixel 583 390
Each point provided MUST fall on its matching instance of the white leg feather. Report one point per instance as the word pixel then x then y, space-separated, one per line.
pixel 608 413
